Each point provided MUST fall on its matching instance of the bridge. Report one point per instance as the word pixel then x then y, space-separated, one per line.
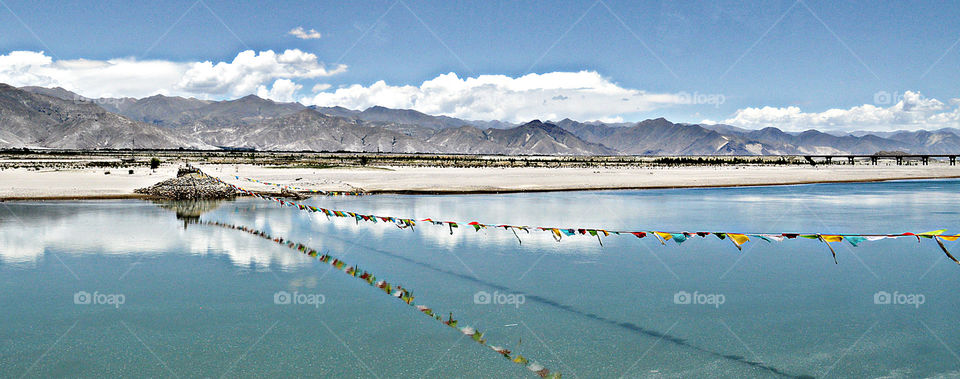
pixel 874 159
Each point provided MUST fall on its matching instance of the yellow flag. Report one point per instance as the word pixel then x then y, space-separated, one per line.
pixel 933 233
pixel 949 237
pixel 738 239
pixel 665 236
pixel 830 238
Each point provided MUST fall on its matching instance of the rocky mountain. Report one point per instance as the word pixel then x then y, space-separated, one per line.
pixel 662 137
pixel 409 117
pixel 174 111
pixel 56 117
pixel 534 137
pixel 166 111
pixel 406 116
pixel 314 131
pixel 30 119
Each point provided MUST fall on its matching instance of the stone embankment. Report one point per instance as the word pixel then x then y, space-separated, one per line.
pixel 189 185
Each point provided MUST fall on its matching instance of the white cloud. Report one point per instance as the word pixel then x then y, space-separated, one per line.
pixel 283 91
pixel 911 111
pixel 300 33
pixel 249 70
pixel 584 95
pixel 122 77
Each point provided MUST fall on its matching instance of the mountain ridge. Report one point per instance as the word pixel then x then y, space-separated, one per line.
pixel 263 124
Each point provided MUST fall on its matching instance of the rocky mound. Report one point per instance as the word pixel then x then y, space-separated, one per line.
pixel 190 187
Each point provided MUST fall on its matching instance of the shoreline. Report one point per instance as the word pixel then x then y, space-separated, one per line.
pixel 136 196
pixel 642 188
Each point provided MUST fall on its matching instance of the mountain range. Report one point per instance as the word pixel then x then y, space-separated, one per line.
pixel 38 117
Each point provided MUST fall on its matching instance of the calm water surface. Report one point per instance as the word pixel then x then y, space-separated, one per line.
pixel 198 301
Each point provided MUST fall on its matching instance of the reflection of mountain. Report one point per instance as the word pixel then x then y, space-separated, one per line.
pixel 128 228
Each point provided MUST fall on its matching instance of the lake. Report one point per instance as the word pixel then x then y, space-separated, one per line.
pixel 110 288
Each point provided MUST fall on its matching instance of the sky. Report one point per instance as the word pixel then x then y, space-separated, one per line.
pixel 792 64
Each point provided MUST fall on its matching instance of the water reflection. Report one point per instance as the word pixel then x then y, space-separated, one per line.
pixel 28 231
pixel 788 302
pixel 189 210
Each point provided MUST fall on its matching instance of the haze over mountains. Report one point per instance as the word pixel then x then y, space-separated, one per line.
pixel 38 117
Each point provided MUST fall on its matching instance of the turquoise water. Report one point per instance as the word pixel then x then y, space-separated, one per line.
pixel 198 301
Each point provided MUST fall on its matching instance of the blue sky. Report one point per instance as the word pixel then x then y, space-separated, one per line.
pixel 812 55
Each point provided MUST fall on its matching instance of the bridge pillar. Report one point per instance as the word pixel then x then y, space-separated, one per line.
pixel 899 161
pixel 829 160
pixel 925 159
pixel 850 159
pixel 953 160
pixel 873 160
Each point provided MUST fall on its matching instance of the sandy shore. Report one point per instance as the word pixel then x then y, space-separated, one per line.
pixel 90 183
pixel 481 180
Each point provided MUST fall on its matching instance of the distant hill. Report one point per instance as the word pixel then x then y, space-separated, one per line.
pixel 31 119
pixel 56 117
pixel 409 116
pixel 662 137
pixel 534 137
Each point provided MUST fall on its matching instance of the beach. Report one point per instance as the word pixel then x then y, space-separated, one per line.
pixel 94 183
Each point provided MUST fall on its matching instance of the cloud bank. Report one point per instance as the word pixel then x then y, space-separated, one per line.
pixel 293 75
pixel 249 72
pixel 584 95
pixel 910 111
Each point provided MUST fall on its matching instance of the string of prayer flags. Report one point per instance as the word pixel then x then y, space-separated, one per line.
pixel 397 291
pixel 738 239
